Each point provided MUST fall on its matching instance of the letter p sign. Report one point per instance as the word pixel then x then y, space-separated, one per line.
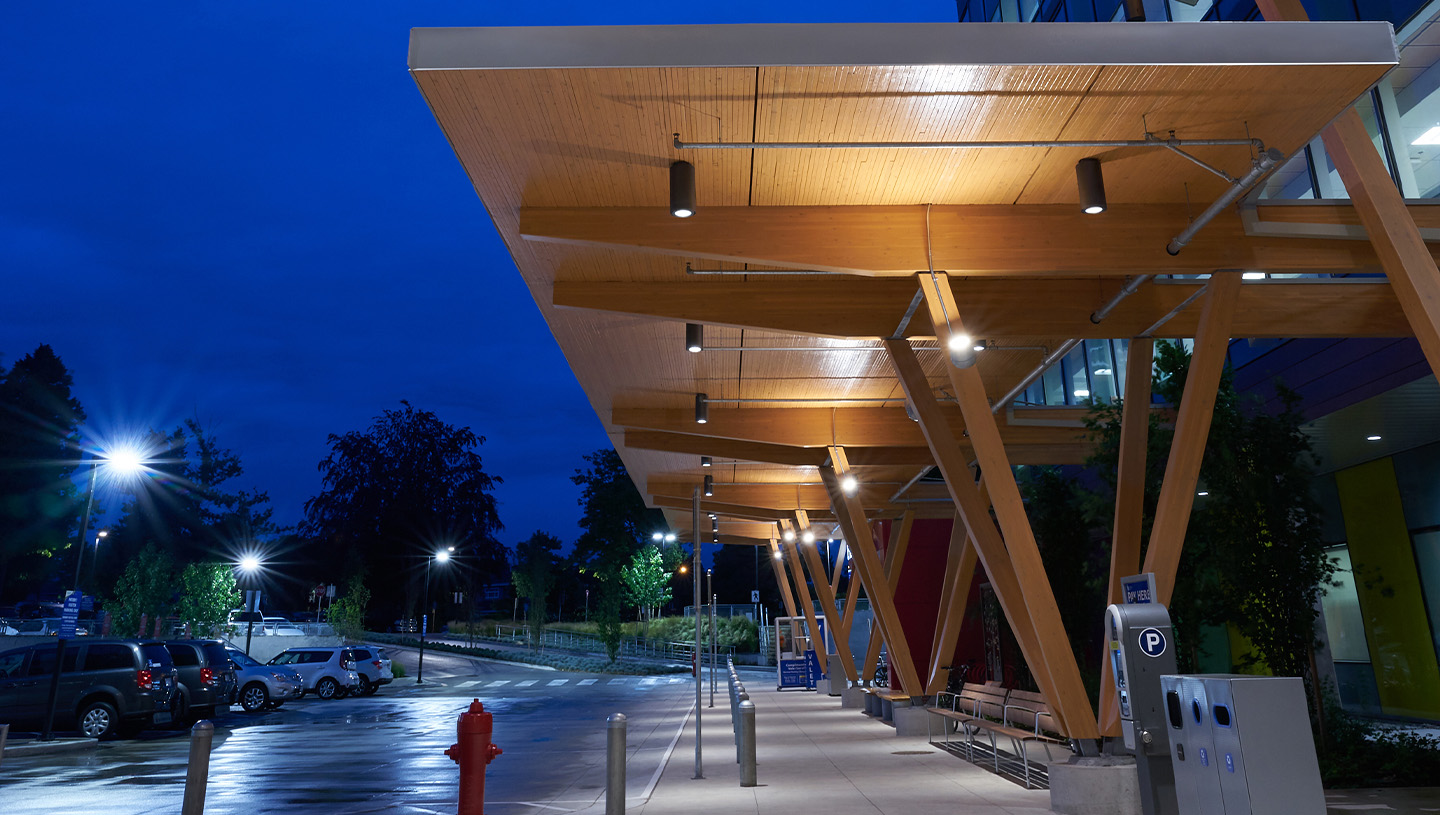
pixel 1152 642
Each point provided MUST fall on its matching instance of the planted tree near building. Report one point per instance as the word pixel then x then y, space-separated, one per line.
pixel 347 614
pixel 146 588
pixel 207 594
pixel 647 583
pixel 534 576
pixel 39 454
pixel 393 493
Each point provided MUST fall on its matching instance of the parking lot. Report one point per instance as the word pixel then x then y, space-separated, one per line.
pixel 384 752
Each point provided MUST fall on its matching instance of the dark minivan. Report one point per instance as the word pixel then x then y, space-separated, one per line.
pixel 106 686
pixel 207 680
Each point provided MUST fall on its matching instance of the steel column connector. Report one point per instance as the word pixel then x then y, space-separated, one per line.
pixel 1267 161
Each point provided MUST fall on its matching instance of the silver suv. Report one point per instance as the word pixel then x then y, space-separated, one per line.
pixel 373 666
pixel 260 686
pixel 328 672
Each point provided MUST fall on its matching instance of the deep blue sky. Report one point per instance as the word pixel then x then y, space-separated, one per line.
pixel 245 213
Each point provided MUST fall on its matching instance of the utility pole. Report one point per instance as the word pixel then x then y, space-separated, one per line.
pixel 699 683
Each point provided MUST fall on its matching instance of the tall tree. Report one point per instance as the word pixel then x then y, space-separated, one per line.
pixel 647 582
pixel 394 493
pixel 39 453
pixel 615 519
pixel 534 575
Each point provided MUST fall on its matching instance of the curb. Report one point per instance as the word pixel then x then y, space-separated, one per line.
pixel 36 748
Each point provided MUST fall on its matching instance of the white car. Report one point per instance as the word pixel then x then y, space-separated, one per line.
pixel 260 686
pixel 373 666
pixel 328 672
pixel 280 627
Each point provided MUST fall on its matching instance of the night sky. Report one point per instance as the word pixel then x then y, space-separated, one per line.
pixel 245 213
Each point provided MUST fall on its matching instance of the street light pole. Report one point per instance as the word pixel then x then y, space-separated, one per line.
pixel 699 682
pixel 85 522
pixel 443 555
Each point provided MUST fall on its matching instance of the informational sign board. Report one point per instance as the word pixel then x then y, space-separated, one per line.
pixel 69 615
pixel 812 667
pixel 754 595
pixel 793 674
pixel 424 624
pixel 252 600
pixel 1138 589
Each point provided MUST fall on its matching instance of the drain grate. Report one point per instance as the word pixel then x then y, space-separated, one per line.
pixel 913 753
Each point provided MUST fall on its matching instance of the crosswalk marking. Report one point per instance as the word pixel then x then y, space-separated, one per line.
pixel 555 683
pixel 672 680
pixel 649 680
pixel 585 682
pixel 527 683
pixel 469 684
pixel 616 682
pixel 497 683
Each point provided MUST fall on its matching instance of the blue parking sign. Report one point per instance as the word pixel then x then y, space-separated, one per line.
pixel 69 615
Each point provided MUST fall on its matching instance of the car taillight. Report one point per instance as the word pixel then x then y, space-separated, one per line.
pixel 377 665
pixel 207 676
pixel 143 678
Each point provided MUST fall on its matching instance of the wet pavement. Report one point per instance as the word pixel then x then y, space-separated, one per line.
pixel 380 753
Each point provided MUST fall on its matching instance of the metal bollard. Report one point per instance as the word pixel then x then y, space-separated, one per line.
pixel 473 751
pixel 740 702
pixel 197 773
pixel 747 744
pixel 615 765
pixel 4 734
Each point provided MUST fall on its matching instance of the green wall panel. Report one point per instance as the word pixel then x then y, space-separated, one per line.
pixel 1401 649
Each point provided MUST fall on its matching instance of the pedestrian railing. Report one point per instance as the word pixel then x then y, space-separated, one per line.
pixel 574 641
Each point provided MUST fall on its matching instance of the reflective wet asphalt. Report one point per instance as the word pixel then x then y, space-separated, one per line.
pixel 380 753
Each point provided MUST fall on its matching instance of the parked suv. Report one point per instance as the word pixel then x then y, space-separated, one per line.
pixel 262 686
pixel 106 686
pixel 372 666
pixel 207 681
pixel 328 672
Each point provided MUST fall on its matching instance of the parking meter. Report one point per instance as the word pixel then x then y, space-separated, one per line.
pixel 1141 648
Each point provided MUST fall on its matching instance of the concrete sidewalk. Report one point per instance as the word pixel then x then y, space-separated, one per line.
pixel 813 756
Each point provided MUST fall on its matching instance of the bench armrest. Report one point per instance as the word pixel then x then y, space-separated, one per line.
pixel 1005 715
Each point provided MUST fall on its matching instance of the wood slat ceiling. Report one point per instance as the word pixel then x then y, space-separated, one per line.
pixel 600 137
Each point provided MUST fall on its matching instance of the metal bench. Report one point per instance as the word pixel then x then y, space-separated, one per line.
pixel 1022 717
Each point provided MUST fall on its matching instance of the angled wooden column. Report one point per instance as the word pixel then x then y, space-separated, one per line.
pixel 835 577
pixel 852 597
pixel 1403 255
pixel 1192 428
pixel 792 556
pixel 867 563
pixel 833 615
pixel 784 582
pixel 894 561
pixel 1129 501
pixel 954 596
pixel 975 511
pixel 1059 659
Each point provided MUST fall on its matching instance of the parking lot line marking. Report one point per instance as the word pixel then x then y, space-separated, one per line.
pixel 497 683
pixel 616 682
pixel 469 684
pixel 527 683
pixel 586 682
pixel 555 683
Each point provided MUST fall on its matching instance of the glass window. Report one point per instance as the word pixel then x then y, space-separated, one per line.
pixel 1341 606
pixel 109 657
pixel 1075 378
pixel 312 657
pixel 239 658
pixel 1054 386
pixel 360 654
pixel 1102 370
pixel 1427 557
pixel 1122 355
pixel 10 664
pixel 1188 11
pixel 215 654
pixel 287 658
pixel 183 655
pixel 155 652
pixel 43 661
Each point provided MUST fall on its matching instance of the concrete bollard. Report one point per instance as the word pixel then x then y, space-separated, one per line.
pixel 197 773
pixel 4 734
pixel 740 702
pixel 747 744
pixel 615 765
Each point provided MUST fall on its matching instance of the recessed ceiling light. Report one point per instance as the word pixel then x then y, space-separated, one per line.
pixel 1203 493
pixel 1253 276
pixel 1372 438
pixel 1081 393
pixel 1431 136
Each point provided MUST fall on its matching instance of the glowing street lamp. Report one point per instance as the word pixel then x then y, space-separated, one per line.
pixel 442 556
pixel 120 462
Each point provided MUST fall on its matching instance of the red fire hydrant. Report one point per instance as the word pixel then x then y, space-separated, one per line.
pixel 472 750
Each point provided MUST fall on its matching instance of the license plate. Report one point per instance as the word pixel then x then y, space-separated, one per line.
pixel 162 718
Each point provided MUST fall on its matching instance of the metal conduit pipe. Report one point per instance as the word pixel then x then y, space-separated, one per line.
pixel 1125 291
pixel 1264 164
pixel 966 145
pixel 1024 383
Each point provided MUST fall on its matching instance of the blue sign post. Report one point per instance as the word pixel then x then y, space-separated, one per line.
pixel 70 615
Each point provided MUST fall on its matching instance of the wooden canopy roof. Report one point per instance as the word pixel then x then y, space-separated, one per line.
pixel 567 135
